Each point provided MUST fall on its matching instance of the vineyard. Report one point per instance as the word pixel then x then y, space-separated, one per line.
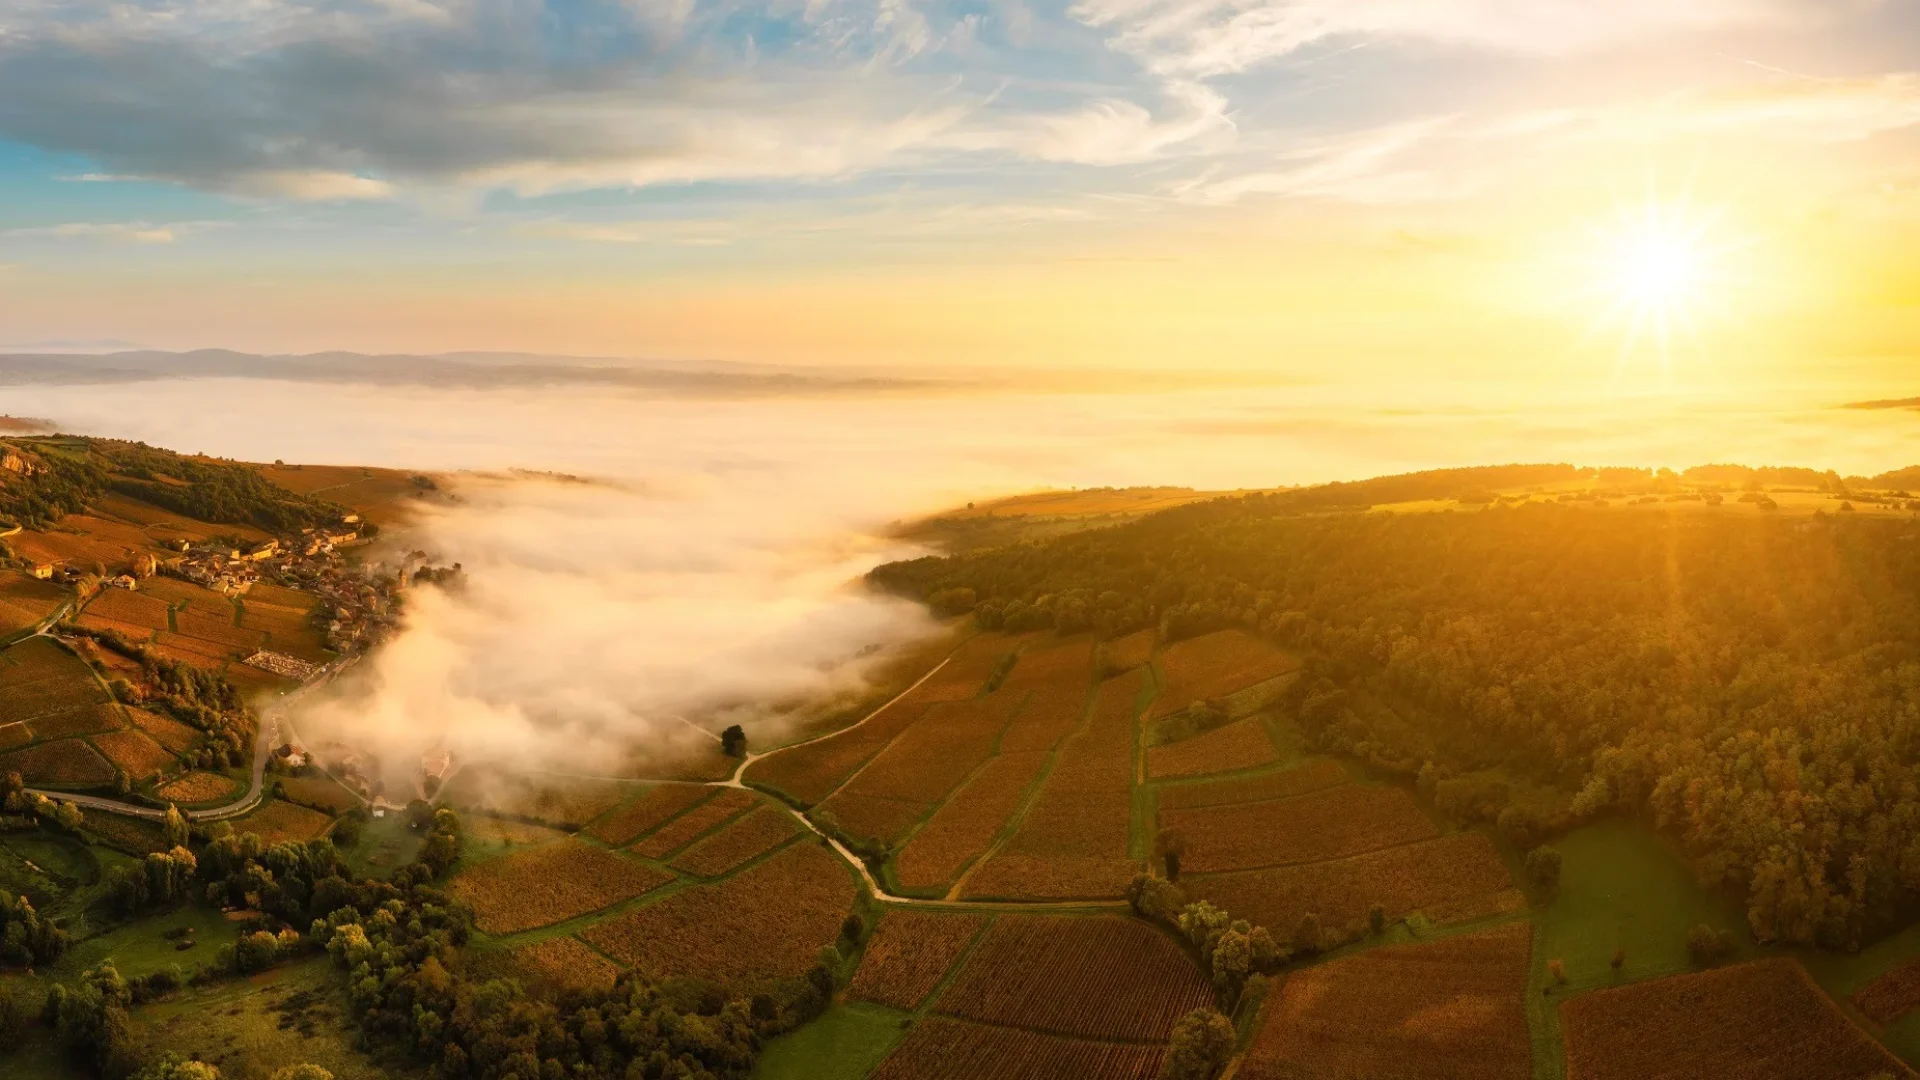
pixel 38 678
pixel 1127 653
pixel 197 787
pixel 1055 682
pixel 1756 1021
pixel 68 762
pixel 565 964
pixel 1242 744
pixel 684 829
pixel 652 809
pixel 133 608
pixel 84 720
pixel 26 601
pixel 909 953
pixel 961 830
pixel 1891 996
pixel 1074 842
pixel 811 772
pixel 1452 1009
pixel 1102 977
pixel 746 839
pixel 134 751
pixel 1287 783
pixel 278 820
pixel 943 1049
pixel 1335 823
pixel 545 885
pixel 1416 877
pixel 319 792
pixel 766 922
pixel 1214 666
pixel 165 730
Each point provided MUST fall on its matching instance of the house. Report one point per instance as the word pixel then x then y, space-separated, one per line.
pixel 343 537
pixel 263 551
pixel 351 519
pixel 43 571
pixel 124 581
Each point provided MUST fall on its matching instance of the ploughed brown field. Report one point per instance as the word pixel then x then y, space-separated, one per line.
pixel 1764 1020
pixel 1452 1009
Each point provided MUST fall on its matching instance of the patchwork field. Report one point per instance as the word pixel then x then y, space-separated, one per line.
pixel 1764 1020
pixel 909 953
pixel 944 1049
pixel 1056 682
pixel 84 720
pixel 566 964
pixel 811 772
pixel 1303 780
pixel 1074 842
pixel 962 829
pixel 132 608
pixel 1104 977
pixel 39 677
pixel 165 730
pixel 1240 745
pixel 545 885
pixel 197 787
pixel 1892 995
pixel 683 830
pixel 748 838
pixel 278 820
pixel 27 601
pixel 765 923
pixel 135 751
pixel 1452 1009
pixel 1335 823
pixel 1453 871
pixel 650 810
pixel 925 762
pixel 1214 666
pixel 66 763
pixel 318 791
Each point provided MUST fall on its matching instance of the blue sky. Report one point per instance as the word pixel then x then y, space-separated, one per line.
pixel 470 143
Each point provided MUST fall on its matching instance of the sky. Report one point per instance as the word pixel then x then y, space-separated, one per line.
pixel 1357 191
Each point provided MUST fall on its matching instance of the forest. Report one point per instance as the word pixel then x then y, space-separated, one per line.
pixel 71 473
pixel 1748 683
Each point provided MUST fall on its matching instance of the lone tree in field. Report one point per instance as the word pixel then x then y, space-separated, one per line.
pixel 733 742
pixel 1172 845
pixel 1543 867
pixel 1201 1045
pixel 1306 934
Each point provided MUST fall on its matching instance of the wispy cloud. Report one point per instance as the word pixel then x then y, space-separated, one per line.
pixel 140 232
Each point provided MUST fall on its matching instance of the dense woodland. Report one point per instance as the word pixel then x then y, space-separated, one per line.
pixel 1750 683
pixel 69 474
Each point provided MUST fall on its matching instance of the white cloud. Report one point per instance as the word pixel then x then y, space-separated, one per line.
pixel 1215 37
pixel 125 232
pixel 311 185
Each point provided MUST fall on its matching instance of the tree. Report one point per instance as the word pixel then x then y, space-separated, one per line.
pixel 1155 898
pixel 1377 919
pixel 1201 1045
pixel 419 814
pixel 122 783
pixel 733 741
pixel 1619 959
pixel 301 1072
pixel 174 825
pixel 1707 946
pixel 1306 934
pixel 170 1066
pixel 69 816
pixel 1543 867
pixel 1172 845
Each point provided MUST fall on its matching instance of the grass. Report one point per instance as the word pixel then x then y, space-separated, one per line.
pixel 844 1043
pixel 1621 887
pixel 140 947
pixel 385 845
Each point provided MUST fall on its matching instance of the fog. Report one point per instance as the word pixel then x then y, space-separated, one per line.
pixel 706 564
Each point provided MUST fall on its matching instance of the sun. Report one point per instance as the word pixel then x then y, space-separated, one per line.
pixel 1659 269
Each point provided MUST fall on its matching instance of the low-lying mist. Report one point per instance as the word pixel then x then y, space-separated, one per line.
pixel 708 567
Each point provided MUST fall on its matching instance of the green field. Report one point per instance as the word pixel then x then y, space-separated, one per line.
pixel 844 1043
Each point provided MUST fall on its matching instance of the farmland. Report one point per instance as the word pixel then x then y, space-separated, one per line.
pixel 197 787
pixel 278 820
pixel 748 838
pixel 1756 1021
pixel 39 677
pixel 319 792
pixel 1242 744
pixel 765 923
pixel 26 601
pixel 136 609
pixel 1451 1009
pixel 1302 780
pixel 1335 823
pixel 944 1049
pixel 134 751
pixel 962 829
pixel 165 730
pixel 1425 876
pixel 565 963
pixel 545 885
pixel 1892 995
pixel 63 763
pixel 684 829
pixel 652 808
pixel 1214 666
pixel 569 803
pixel 1101 977
pixel 909 954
